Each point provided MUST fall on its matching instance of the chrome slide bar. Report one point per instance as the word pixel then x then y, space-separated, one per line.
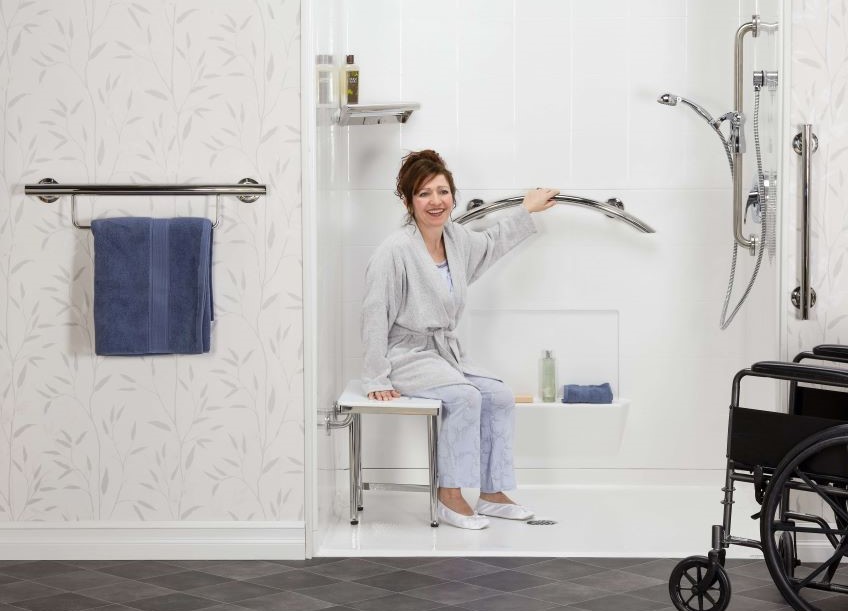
pixel 613 208
pixel 737 134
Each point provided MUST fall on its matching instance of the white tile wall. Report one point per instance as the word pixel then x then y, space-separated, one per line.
pixel 600 9
pixel 602 59
pixel 374 38
pixel 486 108
pixel 709 52
pixel 430 77
pixel 660 9
pixel 563 93
pixel 371 152
pixel 543 85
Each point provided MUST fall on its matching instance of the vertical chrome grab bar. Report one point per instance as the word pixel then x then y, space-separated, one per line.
pixel 805 144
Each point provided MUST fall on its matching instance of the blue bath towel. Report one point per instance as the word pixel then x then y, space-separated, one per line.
pixel 589 393
pixel 152 285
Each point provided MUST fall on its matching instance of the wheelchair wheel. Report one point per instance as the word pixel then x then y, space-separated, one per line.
pixel 689 590
pixel 814 470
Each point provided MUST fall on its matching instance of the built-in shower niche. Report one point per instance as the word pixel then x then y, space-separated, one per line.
pixel 510 343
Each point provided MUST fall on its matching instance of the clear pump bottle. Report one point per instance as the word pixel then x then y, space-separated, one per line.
pixel 327 85
pixel 548 386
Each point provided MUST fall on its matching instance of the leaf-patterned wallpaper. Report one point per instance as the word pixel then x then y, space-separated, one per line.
pixel 150 91
pixel 819 88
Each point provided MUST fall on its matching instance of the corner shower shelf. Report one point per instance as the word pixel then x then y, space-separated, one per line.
pixel 377 114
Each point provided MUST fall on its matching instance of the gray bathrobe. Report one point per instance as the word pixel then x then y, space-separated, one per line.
pixel 409 314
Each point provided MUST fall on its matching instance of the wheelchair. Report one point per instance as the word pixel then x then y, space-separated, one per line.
pixel 790 458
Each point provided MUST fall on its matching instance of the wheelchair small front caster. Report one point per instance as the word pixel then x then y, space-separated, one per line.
pixel 354 522
pixel 689 589
pixel 360 508
pixel 434 524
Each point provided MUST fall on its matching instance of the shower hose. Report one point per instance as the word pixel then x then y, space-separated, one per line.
pixel 765 218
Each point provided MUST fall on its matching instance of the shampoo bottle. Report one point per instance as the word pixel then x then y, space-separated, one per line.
pixel 350 82
pixel 548 370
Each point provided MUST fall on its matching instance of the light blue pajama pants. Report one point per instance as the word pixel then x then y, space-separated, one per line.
pixel 475 436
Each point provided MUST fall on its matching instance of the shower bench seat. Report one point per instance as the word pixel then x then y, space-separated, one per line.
pixel 354 402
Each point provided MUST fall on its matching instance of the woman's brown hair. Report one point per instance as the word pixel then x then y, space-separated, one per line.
pixel 417 167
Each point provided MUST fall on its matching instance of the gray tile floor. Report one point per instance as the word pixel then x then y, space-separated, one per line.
pixel 373 584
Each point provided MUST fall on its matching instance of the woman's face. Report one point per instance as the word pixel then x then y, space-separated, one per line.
pixel 433 202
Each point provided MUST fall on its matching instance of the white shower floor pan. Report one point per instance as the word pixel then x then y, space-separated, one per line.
pixel 592 521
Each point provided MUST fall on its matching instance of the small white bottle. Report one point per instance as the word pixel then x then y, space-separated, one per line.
pixel 327 87
pixel 350 82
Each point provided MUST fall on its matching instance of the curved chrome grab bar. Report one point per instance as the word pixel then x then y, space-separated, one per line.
pixel 613 208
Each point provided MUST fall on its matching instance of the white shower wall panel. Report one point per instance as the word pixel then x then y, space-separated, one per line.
pixel 375 36
pixel 431 74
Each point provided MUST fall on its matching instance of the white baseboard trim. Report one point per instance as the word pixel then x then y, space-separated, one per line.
pixel 818 551
pixel 152 540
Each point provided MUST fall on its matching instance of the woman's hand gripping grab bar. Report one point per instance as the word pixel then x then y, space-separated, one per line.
pixel 613 208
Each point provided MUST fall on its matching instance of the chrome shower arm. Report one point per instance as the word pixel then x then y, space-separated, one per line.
pixel 612 208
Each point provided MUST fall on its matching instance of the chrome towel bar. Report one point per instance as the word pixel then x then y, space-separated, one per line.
pixel 613 208
pixel 48 190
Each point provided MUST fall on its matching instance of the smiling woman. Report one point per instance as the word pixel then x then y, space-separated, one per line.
pixel 422 174
pixel 432 203
pixel 416 284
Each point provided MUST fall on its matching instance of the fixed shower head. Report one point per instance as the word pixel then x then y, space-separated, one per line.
pixel 671 99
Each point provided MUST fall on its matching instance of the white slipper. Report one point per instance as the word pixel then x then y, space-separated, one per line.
pixel 503 510
pixel 449 516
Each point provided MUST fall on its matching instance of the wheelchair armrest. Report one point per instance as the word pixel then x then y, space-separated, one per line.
pixel 831 351
pixel 795 372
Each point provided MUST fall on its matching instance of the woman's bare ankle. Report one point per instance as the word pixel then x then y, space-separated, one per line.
pixel 452 499
pixel 496 497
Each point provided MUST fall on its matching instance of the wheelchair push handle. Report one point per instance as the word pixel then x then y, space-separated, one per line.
pixel 831 351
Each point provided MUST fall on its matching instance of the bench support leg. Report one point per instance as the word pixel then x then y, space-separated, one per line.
pixel 433 441
pixel 358 423
pixel 353 461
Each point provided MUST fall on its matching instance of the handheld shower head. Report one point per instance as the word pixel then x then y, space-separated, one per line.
pixel 671 99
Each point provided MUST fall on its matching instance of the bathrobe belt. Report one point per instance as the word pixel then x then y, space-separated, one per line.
pixel 445 340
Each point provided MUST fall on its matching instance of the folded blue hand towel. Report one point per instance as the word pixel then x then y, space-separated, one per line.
pixel 589 393
pixel 152 285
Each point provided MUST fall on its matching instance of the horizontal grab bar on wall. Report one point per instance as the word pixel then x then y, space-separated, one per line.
pixel 48 190
pixel 613 208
